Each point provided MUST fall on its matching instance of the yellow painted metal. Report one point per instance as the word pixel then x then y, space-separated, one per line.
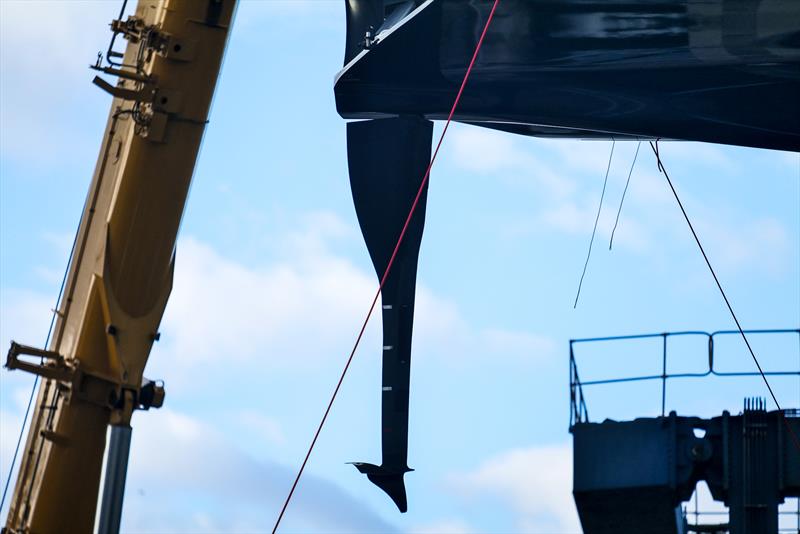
pixel 121 274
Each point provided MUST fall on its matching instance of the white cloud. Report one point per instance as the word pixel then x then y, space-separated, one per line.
pixel 267 428
pixel 584 156
pixel 550 166
pixel 39 32
pixel 578 219
pixel 736 242
pixel 11 416
pixel 176 455
pixel 700 154
pixel 761 244
pixel 225 315
pixel 24 317
pixel 441 330
pixel 592 156
pixel 536 483
pixel 58 247
pixel 283 7
pixel 484 151
pixel 649 214
pixel 184 476
pixel 445 526
pixel 792 161
pixel 219 305
pixel 9 431
pixel 60 243
pixel 251 13
pixel 517 345
pixel 43 41
pixel 51 277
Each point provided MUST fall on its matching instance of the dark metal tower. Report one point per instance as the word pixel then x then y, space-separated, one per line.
pixel 632 476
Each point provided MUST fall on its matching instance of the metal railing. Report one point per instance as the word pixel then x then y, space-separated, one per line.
pixel 784 511
pixel 578 411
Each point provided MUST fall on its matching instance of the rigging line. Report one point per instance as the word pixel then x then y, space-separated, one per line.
pixel 36 379
pixel 619 211
pixel 663 170
pixel 596 220
pixel 90 202
pixel 391 261
pixel 50 332
pixel 19 440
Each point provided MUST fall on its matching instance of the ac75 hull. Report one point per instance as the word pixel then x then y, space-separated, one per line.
pixel 720 71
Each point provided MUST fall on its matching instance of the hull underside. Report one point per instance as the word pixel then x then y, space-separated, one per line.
pixel 720 71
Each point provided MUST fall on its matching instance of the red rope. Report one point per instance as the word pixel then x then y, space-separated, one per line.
pixel 389 266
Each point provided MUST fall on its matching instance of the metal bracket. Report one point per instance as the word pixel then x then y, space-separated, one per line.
pixel 135 30
pixel 369 38
pixel 145 94
pixel 126 74
pixel 180 49
pixel 151 395
pixel 56 368
pixel 131 29
pixel 54 437
pixel 168 100
pixel 86 386
pixel 152 105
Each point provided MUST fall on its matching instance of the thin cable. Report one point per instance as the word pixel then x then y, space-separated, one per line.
pixel 619 211
pixel 391 262
pixel 19 440
pixel 36 380
pixel 50 332
pixel 93 198
pixel 596 220
pixel 663 170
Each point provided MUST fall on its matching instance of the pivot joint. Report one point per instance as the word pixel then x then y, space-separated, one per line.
pixel 85 385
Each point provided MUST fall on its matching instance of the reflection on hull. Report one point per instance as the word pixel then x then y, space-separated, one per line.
pixel 722 71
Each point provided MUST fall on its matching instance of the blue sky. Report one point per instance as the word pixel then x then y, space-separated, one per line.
pixel 273 280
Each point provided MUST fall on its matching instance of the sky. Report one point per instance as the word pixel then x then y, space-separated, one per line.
pixel 273 280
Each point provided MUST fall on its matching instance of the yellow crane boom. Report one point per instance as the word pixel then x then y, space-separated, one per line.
pixel 120 275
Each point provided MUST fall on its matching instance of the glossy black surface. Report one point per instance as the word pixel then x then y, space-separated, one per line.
pixel 722 71
pixel 387 160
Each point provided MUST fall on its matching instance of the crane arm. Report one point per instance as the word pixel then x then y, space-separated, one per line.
pixel 120 275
